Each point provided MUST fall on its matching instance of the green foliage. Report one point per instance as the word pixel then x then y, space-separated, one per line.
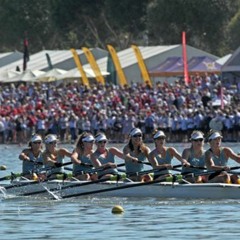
pixel 211 25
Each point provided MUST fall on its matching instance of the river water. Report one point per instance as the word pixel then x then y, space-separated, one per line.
pixel 91 217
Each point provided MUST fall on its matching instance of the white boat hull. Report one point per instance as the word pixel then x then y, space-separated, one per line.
pixel 122 189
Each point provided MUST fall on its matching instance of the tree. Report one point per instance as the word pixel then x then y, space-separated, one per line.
pixel 204 22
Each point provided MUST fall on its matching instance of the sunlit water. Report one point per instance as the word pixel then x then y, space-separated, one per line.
pixel 91 218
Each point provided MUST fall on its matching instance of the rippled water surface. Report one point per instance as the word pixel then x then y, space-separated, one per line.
pixel 91 218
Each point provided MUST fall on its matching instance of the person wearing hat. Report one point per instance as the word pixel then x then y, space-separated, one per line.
pixel 216 158
pixel 53 156
pixel 195 155
pixel 32 159
pixel 161 157
pixel 136 152
pixel 105 157
pixel 81 156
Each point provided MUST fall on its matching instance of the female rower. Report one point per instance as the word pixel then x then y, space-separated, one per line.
pixel 81 156
pixel 216 158
pixel 161 157
pixel 32 157
pixel 53 157
pixel 136 152
pixel 195 155
pixel 105 157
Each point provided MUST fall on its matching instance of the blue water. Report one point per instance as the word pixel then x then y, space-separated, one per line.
pixel 91 218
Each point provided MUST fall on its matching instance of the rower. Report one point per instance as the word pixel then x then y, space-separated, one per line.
pixel 217 157
pixel 81 157
pixel 31 157
pixel 104 157
pixel 161 157
pixel 195 155
pixel 136 153
pixel 53 156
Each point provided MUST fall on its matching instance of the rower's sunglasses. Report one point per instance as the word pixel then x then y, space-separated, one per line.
pixel 137 135
pixel 160 138
pixel 102 142
pixel 37 142
pixel 198 140
pixel 54 142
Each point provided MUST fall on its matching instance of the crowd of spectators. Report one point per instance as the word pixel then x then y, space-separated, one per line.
pixel 68 109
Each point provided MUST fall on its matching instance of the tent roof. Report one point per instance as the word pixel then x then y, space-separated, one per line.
pixel 9 57
pixel 232 64
pixel 223 59
pixel 60 59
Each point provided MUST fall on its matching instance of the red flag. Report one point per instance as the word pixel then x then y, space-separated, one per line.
pixel 25 54
pixel 186 77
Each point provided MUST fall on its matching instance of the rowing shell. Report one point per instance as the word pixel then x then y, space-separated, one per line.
pixel 156 190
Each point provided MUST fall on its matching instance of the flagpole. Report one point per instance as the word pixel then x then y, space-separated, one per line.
pixel 186 77
pixel 25 52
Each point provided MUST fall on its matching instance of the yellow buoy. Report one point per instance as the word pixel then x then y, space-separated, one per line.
pixel 3 167
pixel 117 209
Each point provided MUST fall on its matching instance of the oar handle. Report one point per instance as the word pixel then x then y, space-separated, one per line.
pixel 197 167
pixel 236 167
pixel 152 170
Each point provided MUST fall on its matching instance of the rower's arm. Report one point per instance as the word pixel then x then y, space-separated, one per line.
pixel 127 155
pixel 116 152
pixel 24 156
pixel 96 163
pixel 176 154
pixel 229 153
pixel 210 163
pixel 74 157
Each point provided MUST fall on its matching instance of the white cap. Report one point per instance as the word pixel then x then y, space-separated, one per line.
pixel 88 138
pixel 135 131
pixel 197 135
pixel 215 135
pixel 159 134
pixel 36 138
pixel 50 138
pixel 100 137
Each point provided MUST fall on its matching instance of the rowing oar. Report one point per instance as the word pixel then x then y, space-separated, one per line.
pixel 95 170
pixel 19 184
pixel 80 184
pixel 112 178
pixel 42 191
pixel 10 177
pixel 173 178
pixel 217 172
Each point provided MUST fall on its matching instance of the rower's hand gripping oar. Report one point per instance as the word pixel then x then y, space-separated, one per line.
pixel 218 172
